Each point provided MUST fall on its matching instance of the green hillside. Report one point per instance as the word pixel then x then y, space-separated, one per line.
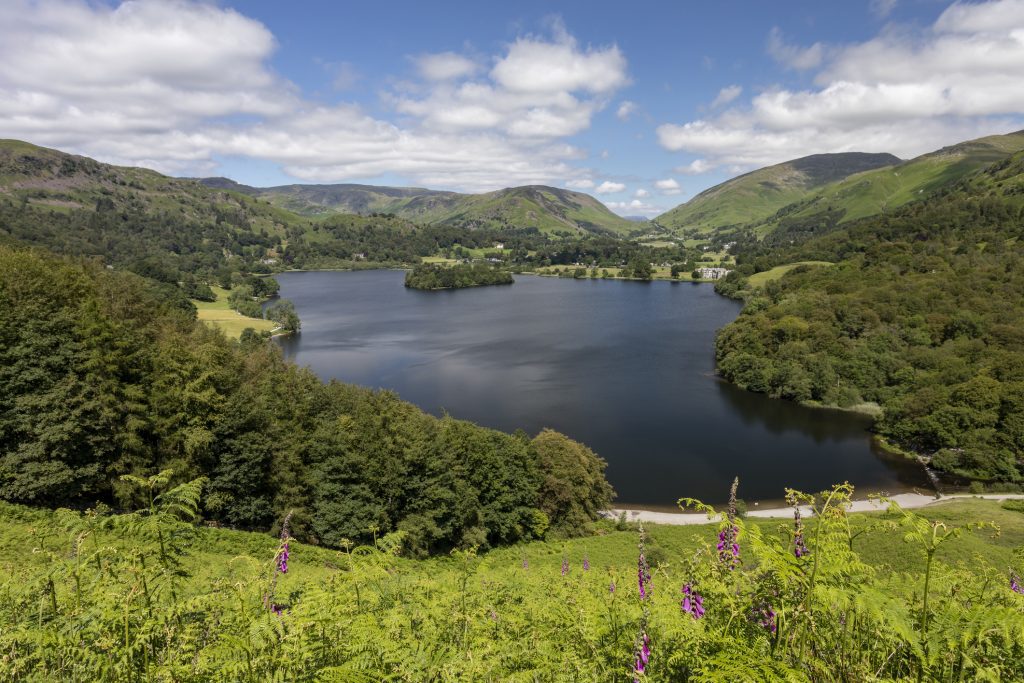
pixel 549 209
pixel 885 189
pixel 758 195
pixel 166 228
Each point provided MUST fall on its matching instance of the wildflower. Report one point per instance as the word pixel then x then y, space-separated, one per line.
pixel 799 545
pixel 586 563
pixel 764 616
pixel 643 653
pixel 643 642
pixel 280 567
pixel 611 587
pixel 693 602
pixel 728 537
pixel 565 565
pixel 282 558
pixel 1015 584
pixel 526 563
pixel 643 570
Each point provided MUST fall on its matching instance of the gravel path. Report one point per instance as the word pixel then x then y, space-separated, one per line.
pixel 905 500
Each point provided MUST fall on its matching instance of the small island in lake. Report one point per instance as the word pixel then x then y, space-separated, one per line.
pixel 433 276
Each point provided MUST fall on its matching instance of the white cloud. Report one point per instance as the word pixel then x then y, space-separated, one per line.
pixel 640 193
pixel 695 167
pixel 626 108
pixel 668 186
pixel 445 66
pixel 580 184
pixel 905 92
pixel 533 65
pixel 175 84
pixel 634 207
pixel 540 90
pixel 726 95
pixel 609 187
pixel 794 57
pixel 882 8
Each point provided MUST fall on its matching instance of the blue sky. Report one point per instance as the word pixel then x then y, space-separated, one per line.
pixel 642 106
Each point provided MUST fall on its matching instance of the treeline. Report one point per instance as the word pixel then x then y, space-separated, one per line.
pixel 103 374
pixel 923 315
pixel 457 276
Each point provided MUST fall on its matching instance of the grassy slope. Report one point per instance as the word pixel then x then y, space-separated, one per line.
pixel 55 179
pixel 878 191
pixel 231 322
pixel 760 279
pixel 220 552
pixel 759 194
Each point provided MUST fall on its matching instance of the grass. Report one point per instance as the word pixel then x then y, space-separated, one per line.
pixel 220 550
pixel 231 322
pixel 761 279
pixel 501 605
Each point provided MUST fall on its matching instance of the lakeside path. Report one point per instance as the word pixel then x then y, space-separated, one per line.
pixel 905 500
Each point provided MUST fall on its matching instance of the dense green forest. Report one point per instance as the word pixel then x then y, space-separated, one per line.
pixel 107 374
pixel 457 276
pixel 923 314
pixel 152 595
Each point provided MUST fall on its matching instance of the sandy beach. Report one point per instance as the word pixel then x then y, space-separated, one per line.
pixel 905 500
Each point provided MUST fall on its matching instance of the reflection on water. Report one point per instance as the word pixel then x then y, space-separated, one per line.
pixel 625 367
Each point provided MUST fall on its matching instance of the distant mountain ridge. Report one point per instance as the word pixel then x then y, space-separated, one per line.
pixel 833 187
pixel 550 209
pixel 759 194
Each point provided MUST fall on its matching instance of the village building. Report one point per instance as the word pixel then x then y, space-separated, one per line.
pixel 712 273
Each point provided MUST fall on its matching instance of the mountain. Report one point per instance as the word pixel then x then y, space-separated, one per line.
pixel 759 194
pixel 179 230
pixel 550 209
pixel 884 189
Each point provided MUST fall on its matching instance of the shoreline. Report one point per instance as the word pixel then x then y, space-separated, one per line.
pixel 905 500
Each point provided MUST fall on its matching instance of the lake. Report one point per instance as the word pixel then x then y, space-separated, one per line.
pixel 624 367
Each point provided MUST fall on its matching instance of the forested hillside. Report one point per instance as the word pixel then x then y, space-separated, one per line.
pixel 105 375
pixel 922 314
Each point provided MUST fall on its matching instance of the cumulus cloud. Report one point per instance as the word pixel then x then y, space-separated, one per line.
pixel 726 95
pixel 580 183
pixel 634 207
pixel 535 65
pixel 626 108
pixel 609 187
pixel 905 92
pixel 668 186
pixel 445 66
pixel 640 193
pixel 176 84
pixel 695 167
pixel 792 56
pixel 539 90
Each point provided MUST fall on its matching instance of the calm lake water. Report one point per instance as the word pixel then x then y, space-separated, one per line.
pixel 625 367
